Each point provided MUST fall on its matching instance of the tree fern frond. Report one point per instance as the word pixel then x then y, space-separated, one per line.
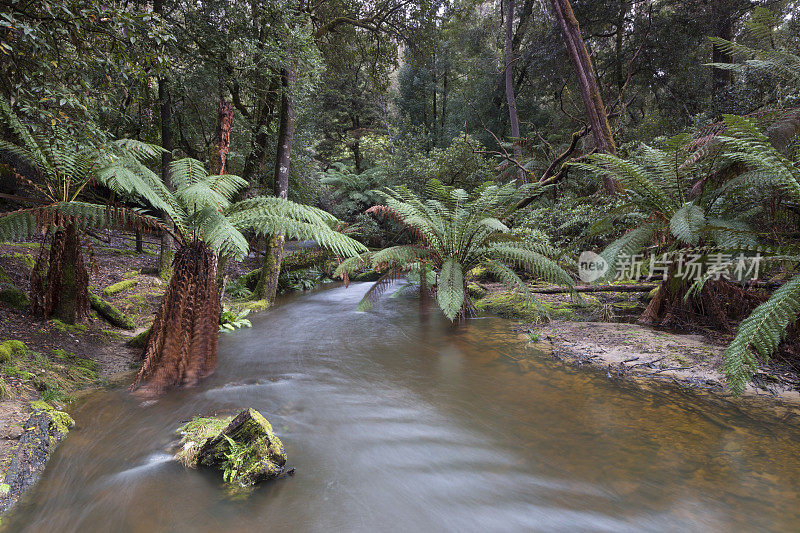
pixel 450 288
pixel 687 222
pixel 761 333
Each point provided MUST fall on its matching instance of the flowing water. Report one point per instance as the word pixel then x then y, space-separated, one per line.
pixel 395 423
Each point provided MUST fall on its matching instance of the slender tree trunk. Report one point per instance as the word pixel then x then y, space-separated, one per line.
pixel 167 251
pixel 258 148
pixel 509 81
pixel 587 82
pixel 139 243
pixel 218 162
pixel 721 79
pixel 268 283
pixel 218 158
pixel 181 348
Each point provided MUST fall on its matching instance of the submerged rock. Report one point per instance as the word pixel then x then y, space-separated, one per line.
pixel 42 432
pixel 244 447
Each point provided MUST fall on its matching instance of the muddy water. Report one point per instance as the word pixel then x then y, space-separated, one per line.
pixel 395 424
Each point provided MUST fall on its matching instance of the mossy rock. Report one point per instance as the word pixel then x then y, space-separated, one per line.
pixel 10 349
pixel 475 291
pixel 244 448
pixel 113 315
pixel 369 275
pixel 139 340
pixel 60 421
pixel 123 285
pixel 13 297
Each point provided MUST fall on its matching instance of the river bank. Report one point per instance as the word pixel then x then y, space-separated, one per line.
pixel 601 332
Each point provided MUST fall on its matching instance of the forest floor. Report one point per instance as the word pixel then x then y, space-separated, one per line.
pixel 601 332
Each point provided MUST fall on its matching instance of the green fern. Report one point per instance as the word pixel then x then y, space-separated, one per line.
pixel 761 333
pixel 456 231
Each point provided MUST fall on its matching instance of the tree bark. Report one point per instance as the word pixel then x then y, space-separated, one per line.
pixel 587 82
pixel 181 348
pixel 268 284
pixel 218 158
pixel 167 251
pixel 61 292
pixel 258 146
pixel 509 82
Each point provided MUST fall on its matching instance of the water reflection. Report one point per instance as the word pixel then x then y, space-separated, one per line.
pixel 398 425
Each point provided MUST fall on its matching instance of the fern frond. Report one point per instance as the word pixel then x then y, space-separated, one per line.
pixel 761 333
pixel 450 288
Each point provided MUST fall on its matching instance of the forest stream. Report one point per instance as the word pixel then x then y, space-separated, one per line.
pixel 397 422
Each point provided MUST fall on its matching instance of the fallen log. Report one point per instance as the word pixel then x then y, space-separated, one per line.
pixel 633 287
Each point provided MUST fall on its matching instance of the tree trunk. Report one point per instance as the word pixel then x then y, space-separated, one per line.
pixel 509 81
pixel 62 292
pixel 721 79
pixel 167 251
pixel 139 243
pixel 587 82
pixel 218 158
pixel 258 147
pixel 181 348
pixel 274 255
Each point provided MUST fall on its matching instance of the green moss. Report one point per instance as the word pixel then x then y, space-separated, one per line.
pixel 4 278
pixel 5 390
pixel 254 306
pixel 510 305
pixel 250 453
pixel 61 421
pixel 369 275
pixel 27 259
pixel 13 297
pixel 479 273
pixel 12 348
pixel 139 340
pixel 195 433
pixel 68 328
pixel 475 291
pixel 113 315
pixel 120 286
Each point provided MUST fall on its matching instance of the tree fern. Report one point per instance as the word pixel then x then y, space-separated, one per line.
pixel 455 232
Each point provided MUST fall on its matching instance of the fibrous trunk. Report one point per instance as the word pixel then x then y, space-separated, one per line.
pixel 182 346
pixel 62 291
pixel 719 305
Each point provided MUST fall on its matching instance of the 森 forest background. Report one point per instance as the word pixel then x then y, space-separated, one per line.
pixel 620 127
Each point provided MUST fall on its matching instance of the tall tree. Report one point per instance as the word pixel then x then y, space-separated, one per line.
pixel 268 283
pixel 509 82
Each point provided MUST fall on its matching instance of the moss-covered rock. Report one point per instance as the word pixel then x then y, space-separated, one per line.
pixel 61 421
pixel 475 291
pixel 45 428
pixel 13 297
pixel 139 340
pixel 123 285
pixel 113 315
pixel 244 448
pixel 369 275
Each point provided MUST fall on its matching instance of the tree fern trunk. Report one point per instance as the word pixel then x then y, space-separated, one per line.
pixel 181 348
pixel 61 292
